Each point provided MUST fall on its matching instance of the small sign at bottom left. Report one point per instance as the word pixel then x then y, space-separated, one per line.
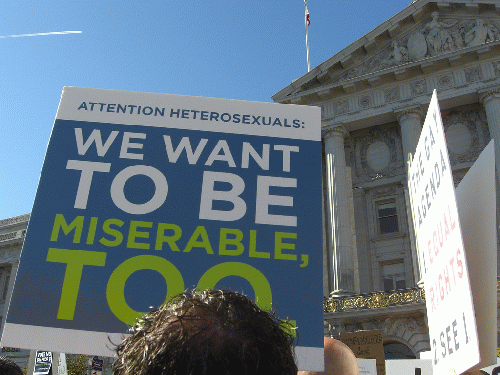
pixel 43 362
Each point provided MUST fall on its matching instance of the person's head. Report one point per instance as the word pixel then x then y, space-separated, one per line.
pixel 209 332
pixel 9 367
pixel 339 360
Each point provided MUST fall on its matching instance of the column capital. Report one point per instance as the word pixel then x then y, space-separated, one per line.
pixel 414 111
pixel 489 93
pixel 334 130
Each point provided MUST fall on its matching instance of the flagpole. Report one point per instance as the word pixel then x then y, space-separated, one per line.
pixel 306 18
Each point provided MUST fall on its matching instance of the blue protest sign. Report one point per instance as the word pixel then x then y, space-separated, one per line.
pixel 144 195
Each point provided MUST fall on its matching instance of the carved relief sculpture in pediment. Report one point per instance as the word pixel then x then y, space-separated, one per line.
pixel 398 54
pixel 417 46
pixel 433 38
pixel 437 36
pixel 448 36
pixel 480 34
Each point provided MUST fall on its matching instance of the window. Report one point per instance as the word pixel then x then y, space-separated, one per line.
pixel 387 217
pixel 393 276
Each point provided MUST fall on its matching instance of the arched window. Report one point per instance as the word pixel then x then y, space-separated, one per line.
pixel 396 350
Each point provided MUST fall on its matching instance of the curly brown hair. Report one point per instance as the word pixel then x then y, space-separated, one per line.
pixel 9 367
pixel 208 332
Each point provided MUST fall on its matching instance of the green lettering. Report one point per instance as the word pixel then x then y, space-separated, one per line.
pixel 161 238
pixel 204 243
pixel 60 223
pixel 252 252
pixel 133 233
pixel 115 291
pixel 236 242
pixel 92 228
pixel 279 246
pixel 75 260
pixel 118 237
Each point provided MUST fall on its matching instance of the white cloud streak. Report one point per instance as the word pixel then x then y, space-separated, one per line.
pixel 40 34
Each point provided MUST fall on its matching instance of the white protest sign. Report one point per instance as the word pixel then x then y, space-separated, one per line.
pixel 476 200
pixel 450 309
pixel 62 369
pixel 367 366
pixel 408 367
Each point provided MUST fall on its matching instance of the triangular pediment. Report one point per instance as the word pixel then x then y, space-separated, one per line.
pixel 424 37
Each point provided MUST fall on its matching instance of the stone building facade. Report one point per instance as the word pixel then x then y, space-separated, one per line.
pixel 374 95
pixel 12 233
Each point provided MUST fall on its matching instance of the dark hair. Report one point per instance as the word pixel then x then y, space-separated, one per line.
pixel 209 332
pixel 9 367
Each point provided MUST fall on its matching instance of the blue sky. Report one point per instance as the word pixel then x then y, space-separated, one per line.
pixel 237 49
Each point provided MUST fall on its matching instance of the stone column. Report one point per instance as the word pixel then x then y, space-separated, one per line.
pixel 410 120
pixel 340 232
pixel 491 103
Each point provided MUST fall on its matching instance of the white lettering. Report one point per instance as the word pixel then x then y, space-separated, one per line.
pixel 286 154
pixel 264 200
pixel 126 144
pixel 95 136
pixel 159 196
pixel 88 168
pixel 209 194
pixel 184 144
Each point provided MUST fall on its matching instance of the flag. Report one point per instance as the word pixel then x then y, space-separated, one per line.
pixel 308 22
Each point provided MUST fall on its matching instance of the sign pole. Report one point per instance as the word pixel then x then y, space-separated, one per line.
pixel 31 362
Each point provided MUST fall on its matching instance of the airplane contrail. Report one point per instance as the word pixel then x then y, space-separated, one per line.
pixel 38 34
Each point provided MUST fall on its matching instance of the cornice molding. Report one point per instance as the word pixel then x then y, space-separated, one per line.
pixel 15 220
pixel 427 36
